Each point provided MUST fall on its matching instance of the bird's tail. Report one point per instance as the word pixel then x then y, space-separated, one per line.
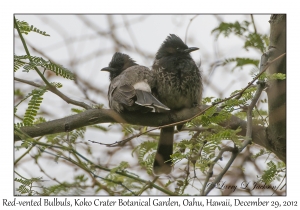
pixel 162 163
pixel 145 98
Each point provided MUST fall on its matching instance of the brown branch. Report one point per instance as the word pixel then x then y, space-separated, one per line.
pixel 95 116
pixel 28 82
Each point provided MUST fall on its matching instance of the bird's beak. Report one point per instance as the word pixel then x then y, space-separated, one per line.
pixel 109 69
pixel 191 49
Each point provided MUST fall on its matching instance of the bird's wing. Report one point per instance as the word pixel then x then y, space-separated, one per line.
pixel 124 95
pixel 145 98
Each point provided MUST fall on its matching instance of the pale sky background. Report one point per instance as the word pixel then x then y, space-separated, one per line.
pixel 149 37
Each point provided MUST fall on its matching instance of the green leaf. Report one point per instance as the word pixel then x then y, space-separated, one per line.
pixel 56 84
pixel 99 127
pixel 59 70
pixel 276 76
pixel 77 111
pixel 25 28
pixel 240 62
pixel 227 28
pixel 77 133
pixel 121 167
pixel 33 106
pixel 146 152
pixel 258 41
pixel 29 63
pixel 127 129
pixel 39 120
pixel 269 175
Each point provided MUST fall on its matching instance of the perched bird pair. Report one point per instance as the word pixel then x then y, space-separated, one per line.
pixel 130 87
pixel 174 83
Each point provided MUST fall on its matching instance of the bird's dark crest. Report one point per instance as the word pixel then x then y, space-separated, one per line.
pixel 119 63
pixel 170 46
pixel 173 40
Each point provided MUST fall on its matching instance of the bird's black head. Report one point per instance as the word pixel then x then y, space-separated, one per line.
pixel 118 63
pixel 174 46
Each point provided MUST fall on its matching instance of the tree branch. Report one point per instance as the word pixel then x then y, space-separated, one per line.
pixel 95 116
pixel 57 92
pixel 277 88
pixel 210 171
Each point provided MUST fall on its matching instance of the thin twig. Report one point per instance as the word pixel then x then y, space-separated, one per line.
pixel 280 184
pixel 186 32
pixel 25 153
pixel 252 19
pixel 29 82
pixel 73 151
pixel 210 171
pixel 147 186
pixel 111 34
pixel 55 91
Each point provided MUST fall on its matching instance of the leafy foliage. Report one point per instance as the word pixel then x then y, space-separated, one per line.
pixel 33 106
pixel 124 184
pixel 275 76
pixel 25 28
pixel 77 133
pixel 260 153
pixel 273 172
pixel 67 138
pixel 18 62
pixel 241 29
pixel 240 62
pixel 98 127
pixel 236 28
pixel 30 62
pixel 67 188
pixel 146 152
pixel 258 41
pixel 127 129
pixel 26 187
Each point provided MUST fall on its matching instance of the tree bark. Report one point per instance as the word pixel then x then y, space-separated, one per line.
pixel 276 91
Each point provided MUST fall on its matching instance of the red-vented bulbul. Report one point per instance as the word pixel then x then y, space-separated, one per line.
pixel 130 87
pixel 178 86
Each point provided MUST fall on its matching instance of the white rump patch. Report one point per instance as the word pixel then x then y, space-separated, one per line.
pixel 142 86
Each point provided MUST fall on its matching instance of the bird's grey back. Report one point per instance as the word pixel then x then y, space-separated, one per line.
pixel 131 76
